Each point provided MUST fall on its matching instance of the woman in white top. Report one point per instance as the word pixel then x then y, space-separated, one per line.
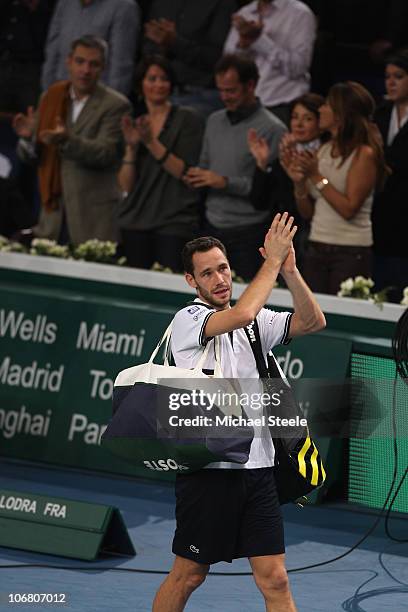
pixel 334 188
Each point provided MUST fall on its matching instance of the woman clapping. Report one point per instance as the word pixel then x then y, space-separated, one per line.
pixel 159 213
pixel 334 188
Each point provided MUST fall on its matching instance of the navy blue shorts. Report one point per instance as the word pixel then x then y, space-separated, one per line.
pixel 226 514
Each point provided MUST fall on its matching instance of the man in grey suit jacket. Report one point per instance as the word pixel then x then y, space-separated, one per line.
pixel 88 143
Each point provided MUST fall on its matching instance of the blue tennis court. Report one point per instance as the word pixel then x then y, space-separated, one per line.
pixel 313 534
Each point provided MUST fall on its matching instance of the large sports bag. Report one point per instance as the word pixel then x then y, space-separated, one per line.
pixel 298 466
pixel 138 430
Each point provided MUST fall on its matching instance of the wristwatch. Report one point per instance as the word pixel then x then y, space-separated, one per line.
pixel 322 184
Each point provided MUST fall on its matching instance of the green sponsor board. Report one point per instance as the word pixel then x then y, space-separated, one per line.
pixel 60 526
pixel 60 353
pixel 59 356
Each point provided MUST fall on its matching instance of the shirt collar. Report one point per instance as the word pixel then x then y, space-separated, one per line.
pixel 74 98
pixel 312 145
pixel 200 301
pixel 395 126
pixel 243 113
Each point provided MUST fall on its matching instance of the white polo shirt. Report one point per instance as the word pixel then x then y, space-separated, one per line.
pixel 237 361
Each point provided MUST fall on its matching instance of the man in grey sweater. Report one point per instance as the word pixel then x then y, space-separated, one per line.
pixel 226 165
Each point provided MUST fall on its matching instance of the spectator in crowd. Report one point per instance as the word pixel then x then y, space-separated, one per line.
pixel 226 165
pixel 116 22
pixel 76 139
pixel 159 213
pixel 23 30
pixel 191 35
pixel 390 203
pixel 272 189
pixel 334 188
pixel 15 212
pixel 279 35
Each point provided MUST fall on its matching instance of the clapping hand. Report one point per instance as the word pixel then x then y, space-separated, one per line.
pixel 259 148
pixel 199 177
pixel 278 241
pixel 136 131
pixel 307 162
pixel 24 125
pixel 129 130
pixel 287 150
pixel 248 31
pixel 144 126
pixel 288 141
pixel 289 159
pixel 56 135
pixel 161 31
pixel 289 265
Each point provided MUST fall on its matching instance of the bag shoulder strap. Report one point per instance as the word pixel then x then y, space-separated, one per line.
pixel 254 339
pixel 267 369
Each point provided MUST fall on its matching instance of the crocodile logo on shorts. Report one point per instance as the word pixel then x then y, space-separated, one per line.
pixel 194 549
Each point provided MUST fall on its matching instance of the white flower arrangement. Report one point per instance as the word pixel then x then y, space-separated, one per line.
pixel 157 267
pixel 9 246
pixel 91 250
pixel 43 246
pixel 102 251
pixel 404 300
pixel 3 241
pixel 359 288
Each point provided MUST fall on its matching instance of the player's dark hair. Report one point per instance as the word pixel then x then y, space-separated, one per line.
pixel 199 245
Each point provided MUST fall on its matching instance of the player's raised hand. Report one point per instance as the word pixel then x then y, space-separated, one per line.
pixel 278 240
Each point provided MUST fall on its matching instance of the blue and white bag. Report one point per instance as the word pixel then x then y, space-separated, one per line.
pixel 138 433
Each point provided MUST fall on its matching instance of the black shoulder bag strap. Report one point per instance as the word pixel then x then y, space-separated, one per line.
pixel 265 371
pixel 273 380
pixel 254 338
